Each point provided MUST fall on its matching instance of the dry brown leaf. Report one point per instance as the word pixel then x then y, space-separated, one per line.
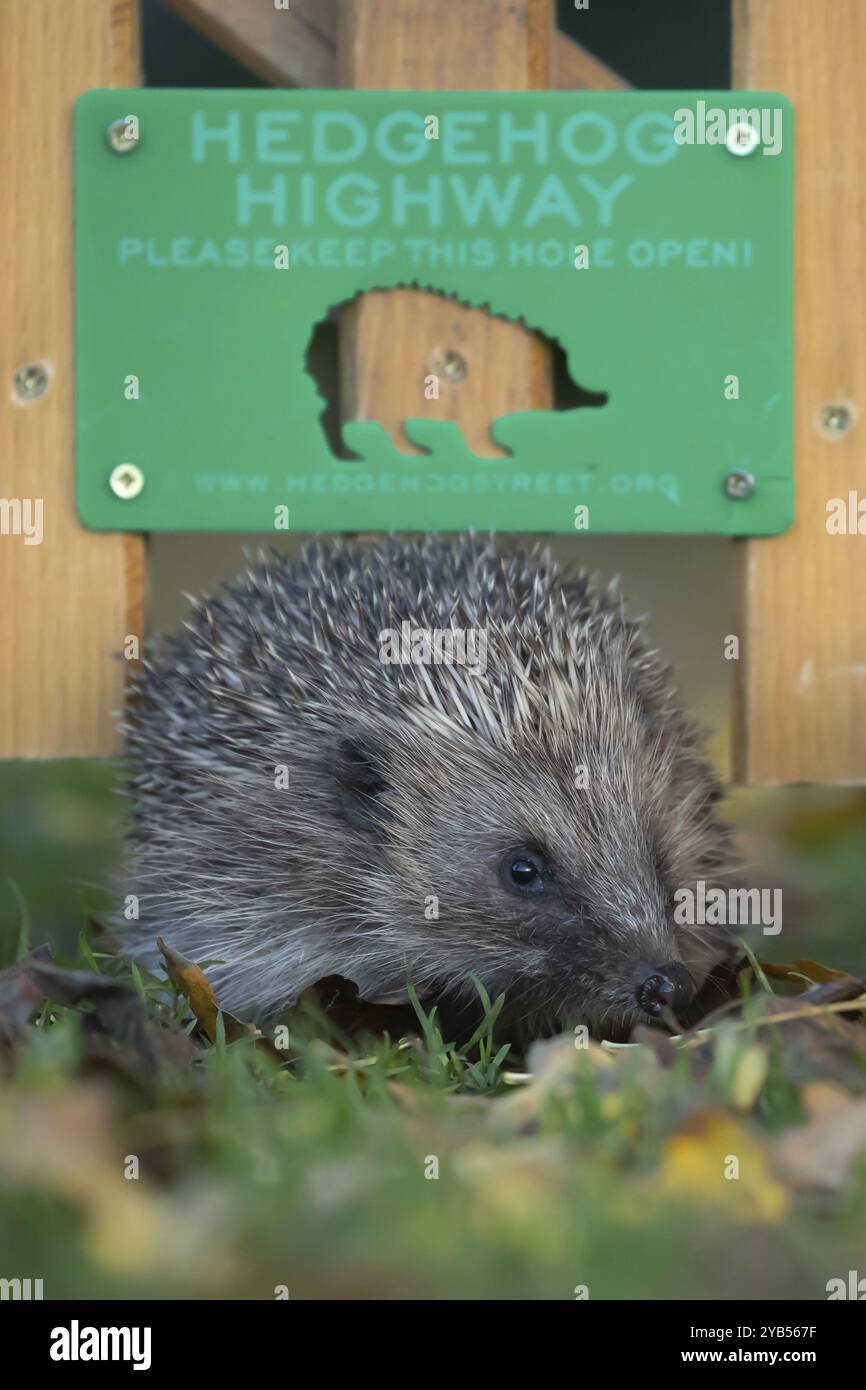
pixel 20 995
pixel 116 1031
pixel 818 974
pixel 193 984
pixel 817 1044
pixel 818 1155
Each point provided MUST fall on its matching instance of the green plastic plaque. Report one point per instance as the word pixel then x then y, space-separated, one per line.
pixel 640 231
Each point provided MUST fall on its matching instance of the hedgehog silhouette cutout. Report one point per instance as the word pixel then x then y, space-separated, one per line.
pixel 447 373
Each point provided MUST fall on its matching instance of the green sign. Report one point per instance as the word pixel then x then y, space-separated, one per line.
pixel 648 234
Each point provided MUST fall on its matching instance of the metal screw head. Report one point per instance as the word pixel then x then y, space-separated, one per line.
pixel 742 138
pixel 123 136
pixel 836 420
pixel 30 381
pixel 126 481
pixel 454 367
pixel 739 485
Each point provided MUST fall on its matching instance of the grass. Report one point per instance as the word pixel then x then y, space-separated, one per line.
pixel 410 1168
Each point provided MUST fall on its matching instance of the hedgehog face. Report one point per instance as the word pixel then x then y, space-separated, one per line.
pixel 559 894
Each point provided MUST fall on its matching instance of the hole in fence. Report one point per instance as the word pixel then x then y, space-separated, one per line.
pixel 434 377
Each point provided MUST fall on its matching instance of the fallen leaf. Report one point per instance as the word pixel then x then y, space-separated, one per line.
pixel 20 996
pixel 117 1015
pixel 715 1161
pixel 818 974
pixel 193 984
pixel 815 1043
pixel 818 1155
pixel 749 1075
pixel 807 1034
pixel 836 991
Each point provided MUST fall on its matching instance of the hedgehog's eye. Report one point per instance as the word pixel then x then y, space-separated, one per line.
pixel 523 871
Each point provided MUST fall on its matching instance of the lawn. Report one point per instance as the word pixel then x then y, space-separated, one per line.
pixel 149 1150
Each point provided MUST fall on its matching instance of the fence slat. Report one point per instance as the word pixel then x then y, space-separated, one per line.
pixel 801 703
pixel 67 603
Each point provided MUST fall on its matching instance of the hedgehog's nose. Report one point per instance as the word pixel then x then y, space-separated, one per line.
pixel 663 987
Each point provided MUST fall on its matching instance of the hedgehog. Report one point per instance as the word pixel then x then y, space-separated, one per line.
pixel 423 764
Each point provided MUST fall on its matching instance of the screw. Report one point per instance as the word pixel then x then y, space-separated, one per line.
pixel 454 367
pixel 31 380
pixel 742 138
pixel 739 485
pixel 126 481
pixel 836 420
pixel 123 135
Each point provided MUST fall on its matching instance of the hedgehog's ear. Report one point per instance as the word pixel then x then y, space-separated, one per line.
pixel 361 780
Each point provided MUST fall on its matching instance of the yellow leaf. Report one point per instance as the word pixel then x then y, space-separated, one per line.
pixel 749 1074
pixel 715 1161
pixel 193 984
